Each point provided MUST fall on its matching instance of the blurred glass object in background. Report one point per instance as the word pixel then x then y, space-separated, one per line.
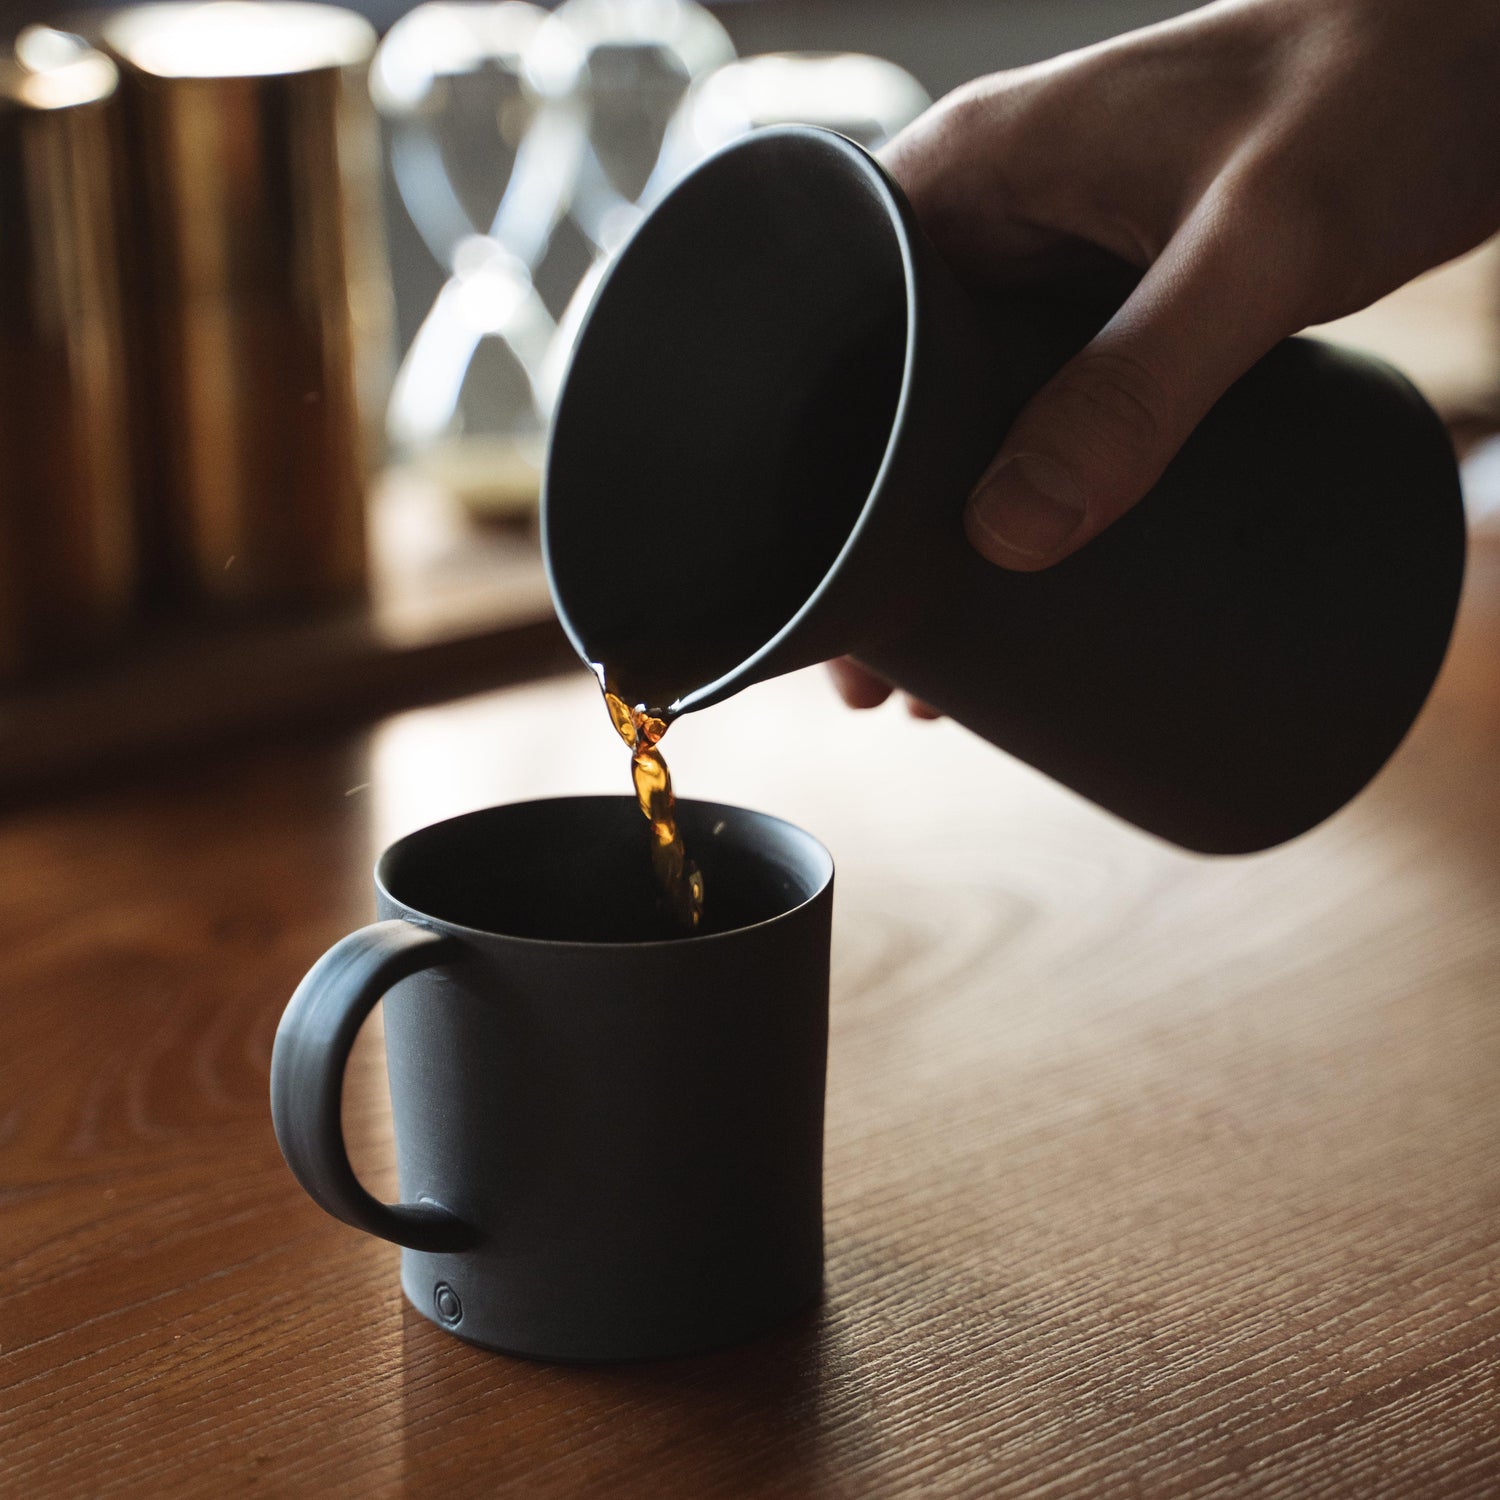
pixel 643 57
pixel 66 529
pixel 506 125
pixel 502 119
pixel 487 128
pixel 866 98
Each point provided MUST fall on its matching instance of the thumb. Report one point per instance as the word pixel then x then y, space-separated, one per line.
pixel 1097 436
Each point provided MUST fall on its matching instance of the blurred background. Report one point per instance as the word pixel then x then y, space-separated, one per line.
pixel 286 295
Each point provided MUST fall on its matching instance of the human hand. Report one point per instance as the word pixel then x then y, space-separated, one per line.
pixel 859 687
pixel 1264 164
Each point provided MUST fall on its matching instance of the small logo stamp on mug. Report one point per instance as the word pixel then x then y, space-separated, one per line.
pixel 449 1309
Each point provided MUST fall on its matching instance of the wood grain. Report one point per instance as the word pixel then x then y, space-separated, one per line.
pixel 1147 1174
pixel 453 608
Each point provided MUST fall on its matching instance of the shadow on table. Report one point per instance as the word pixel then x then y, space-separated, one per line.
pixel 744 1421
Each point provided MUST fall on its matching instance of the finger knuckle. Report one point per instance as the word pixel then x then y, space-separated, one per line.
pixel 1311 225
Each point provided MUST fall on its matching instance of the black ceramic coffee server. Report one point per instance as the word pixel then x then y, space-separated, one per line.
pixel 777 407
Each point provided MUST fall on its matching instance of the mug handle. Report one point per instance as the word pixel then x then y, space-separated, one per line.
pixel 307 1080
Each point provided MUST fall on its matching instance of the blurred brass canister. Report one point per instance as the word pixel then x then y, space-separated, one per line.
pixel 65 526
pixel 255 265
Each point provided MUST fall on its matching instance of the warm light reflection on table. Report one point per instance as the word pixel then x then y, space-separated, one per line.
pixel 1145 1173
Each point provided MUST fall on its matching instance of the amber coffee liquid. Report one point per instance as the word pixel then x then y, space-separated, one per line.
pixel 641 727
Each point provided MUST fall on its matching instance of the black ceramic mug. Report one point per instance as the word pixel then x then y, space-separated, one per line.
pixel 609 1137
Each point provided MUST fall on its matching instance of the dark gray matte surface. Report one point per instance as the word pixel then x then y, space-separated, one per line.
pixel 625 1138
pixel 1225 667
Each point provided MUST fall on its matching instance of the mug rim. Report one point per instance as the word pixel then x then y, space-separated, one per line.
pixel 823 880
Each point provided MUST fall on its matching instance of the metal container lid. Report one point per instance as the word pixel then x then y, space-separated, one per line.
pixel 237 39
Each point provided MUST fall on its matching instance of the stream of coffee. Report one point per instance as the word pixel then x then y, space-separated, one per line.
pixel 641 727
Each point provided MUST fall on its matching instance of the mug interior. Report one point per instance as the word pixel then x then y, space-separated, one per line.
pixel 578 869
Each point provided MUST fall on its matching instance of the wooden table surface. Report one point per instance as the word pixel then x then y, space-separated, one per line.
pixel 1146 1174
